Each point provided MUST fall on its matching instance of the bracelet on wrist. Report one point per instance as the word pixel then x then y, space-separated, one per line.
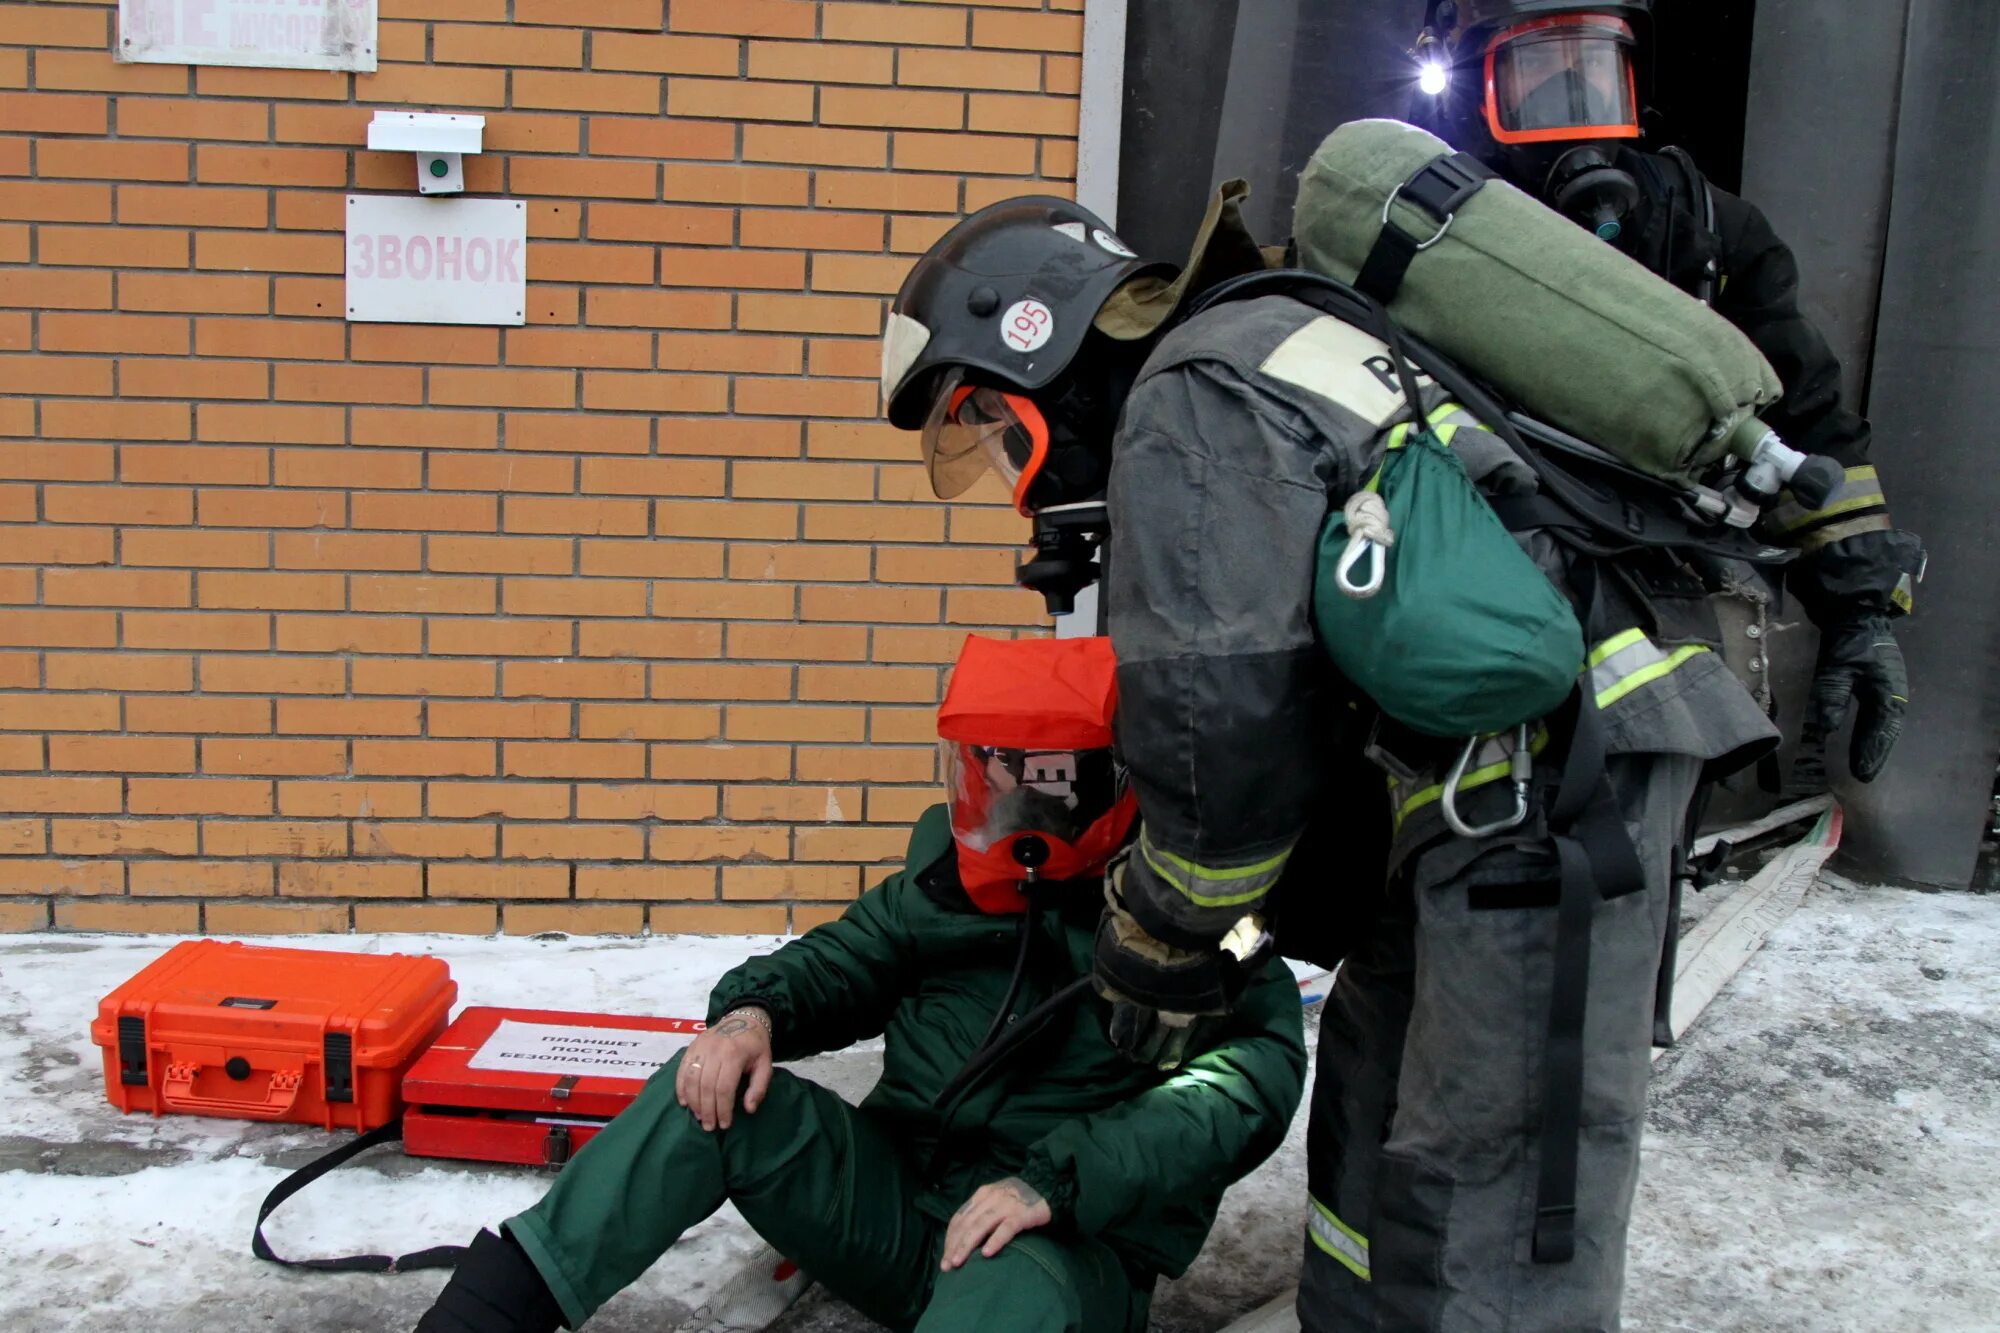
pixel 756 1014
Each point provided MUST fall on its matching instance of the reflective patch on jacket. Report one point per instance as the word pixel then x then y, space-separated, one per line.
pixel 1241 887
pixel 1345 365
pixel 1338 1239
pixel 1654 699
pixel 1626 662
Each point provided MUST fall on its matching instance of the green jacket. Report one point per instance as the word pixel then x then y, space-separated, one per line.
pixel 1128 1154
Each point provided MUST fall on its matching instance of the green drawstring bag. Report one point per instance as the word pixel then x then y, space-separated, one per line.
pixel 1461 634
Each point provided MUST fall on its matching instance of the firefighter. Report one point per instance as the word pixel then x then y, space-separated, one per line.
pixel 1475 1137
pixel 1546 92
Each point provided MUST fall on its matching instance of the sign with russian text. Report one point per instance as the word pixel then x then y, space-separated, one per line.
pixel 271 34
pixel 412 260
pixel 541 1048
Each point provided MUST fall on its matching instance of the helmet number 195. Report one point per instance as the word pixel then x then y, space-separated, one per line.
pixel 1027 325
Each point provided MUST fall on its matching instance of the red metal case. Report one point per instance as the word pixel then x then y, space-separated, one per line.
pixel 251 1033
pixel 531 1085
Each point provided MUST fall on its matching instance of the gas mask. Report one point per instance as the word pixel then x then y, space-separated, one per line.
pixel 1558 96
pixel 1056 460
pixel 1587 186
pixel 1036 792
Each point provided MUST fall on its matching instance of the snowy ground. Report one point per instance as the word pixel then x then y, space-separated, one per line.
pixel 1824 1151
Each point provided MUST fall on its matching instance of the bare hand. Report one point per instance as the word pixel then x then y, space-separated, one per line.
pixel 990 1218
pixel 714 1064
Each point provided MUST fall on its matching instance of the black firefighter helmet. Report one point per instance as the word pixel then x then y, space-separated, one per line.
pixel 995 323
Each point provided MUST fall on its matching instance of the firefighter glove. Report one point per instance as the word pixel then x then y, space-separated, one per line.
pixel 1861 672
pixel 1162 997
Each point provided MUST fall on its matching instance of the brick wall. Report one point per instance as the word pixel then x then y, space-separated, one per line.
pixel 630 618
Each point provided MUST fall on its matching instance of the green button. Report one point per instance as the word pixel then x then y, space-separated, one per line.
pixel 440 167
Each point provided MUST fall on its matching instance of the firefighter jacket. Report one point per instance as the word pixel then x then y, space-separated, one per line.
pixel 1249 425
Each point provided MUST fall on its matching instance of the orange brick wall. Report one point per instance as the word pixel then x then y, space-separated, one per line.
pixel 631 618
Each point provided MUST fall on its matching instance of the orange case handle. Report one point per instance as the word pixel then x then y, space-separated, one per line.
pixel 177 1094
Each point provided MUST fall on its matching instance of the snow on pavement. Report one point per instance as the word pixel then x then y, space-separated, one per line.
pixel 1821 1153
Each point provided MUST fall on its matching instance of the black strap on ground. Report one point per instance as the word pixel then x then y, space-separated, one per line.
pixel 1438 188
pixel 1597 860
pixel 441 1256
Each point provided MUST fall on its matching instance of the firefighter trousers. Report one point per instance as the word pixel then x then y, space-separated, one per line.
pixel 827 1187
pixel 1423 1149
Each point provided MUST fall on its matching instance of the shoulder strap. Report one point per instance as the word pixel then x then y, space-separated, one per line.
pixel 1693 187
pixel 441 1256
pixel 1701 198
pixel 1438 188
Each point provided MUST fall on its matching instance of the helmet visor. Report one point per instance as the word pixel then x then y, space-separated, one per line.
pixel 973 428
pixel 1562 78
pixel 997 793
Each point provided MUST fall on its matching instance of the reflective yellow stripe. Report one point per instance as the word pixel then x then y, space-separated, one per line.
pixel 1851 527
pixel 1648 674
pixel 1491 771
pixel 1338 1239
pixel 1478 777
pixel 1399 435
pixel 1616 643
pixel 1181 872
pixel 1862 490
pixel 1871 500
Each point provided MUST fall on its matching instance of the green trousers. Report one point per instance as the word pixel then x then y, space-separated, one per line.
pixel 828 1188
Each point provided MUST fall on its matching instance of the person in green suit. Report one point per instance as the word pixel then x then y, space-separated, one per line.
pixel 1012 1172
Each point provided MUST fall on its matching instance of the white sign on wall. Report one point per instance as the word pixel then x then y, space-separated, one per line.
pixel 272 34
pixel 412 260
pixel 540 1048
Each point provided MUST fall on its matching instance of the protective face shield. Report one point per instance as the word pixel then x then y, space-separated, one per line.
pixel 1563 79
pixel 1035 789
pixel 999 794
pixel 973 428
pixel 1055 460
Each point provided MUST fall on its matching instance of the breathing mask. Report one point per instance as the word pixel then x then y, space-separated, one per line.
pixel 1036 792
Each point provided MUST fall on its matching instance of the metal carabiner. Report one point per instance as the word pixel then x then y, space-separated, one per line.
pixel 1390 203
pixel 1521 769
pixel 1358 549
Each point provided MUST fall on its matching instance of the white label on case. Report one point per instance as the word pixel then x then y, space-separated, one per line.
pixel 542 1048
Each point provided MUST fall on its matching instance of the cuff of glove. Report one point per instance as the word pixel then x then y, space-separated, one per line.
pixel 1870 573
pixel 1163 978
pixel 1056 1185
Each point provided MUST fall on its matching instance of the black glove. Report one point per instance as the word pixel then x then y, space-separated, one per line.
pixel 1163 998
pixel 1853 588
pixel 1860 670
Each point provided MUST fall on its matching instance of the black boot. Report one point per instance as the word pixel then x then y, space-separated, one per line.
pixel 495 1289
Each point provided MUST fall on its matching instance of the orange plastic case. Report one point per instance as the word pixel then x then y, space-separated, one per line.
pixel 252 1033
pixel 531 1085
